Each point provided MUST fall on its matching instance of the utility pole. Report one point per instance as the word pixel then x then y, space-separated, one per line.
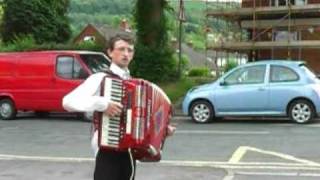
pixel 181 18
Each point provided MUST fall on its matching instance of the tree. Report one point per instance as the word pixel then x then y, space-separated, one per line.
pixel 44 20
pixel 154 55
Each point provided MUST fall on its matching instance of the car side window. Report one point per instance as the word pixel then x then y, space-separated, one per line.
pixel 247 75
pixel 69 68
pixel 282 74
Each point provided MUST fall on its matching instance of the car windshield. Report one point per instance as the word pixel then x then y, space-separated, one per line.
pixel 308 71
pixel 96 62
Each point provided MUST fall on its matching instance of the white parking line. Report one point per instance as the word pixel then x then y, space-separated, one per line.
pixel 227 165
pixel 233 169
pixel 300 164
pixel 44 158
pixel 278 174
pixel 229 176
pixel 215 164
pixel 313 125
pixel 242 150
pixel 221 132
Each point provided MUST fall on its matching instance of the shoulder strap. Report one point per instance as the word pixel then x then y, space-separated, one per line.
pixel 111 74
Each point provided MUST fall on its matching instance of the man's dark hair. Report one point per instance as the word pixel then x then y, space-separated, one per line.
pixel 121 36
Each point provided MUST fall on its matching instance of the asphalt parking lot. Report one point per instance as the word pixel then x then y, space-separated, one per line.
pixel 233 149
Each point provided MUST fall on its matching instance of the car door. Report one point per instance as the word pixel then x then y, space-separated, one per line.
pixel 242 92
pixel 284 85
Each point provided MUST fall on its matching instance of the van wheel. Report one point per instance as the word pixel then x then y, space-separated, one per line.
pixel 7 109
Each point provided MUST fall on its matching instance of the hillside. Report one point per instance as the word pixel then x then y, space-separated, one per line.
pixel 110 12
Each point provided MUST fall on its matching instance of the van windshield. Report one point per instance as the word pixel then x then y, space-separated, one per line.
pixel 96 62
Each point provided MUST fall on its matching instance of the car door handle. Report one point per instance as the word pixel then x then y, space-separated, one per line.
pixel 261 89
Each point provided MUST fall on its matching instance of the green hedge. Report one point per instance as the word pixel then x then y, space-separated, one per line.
pixel 230 65
pixel 27 43
pixel 197 72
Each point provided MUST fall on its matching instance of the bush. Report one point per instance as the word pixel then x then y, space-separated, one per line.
pixel 199 72
pixel 89 46
pixel 230 65
pixel 176 94
pixel 27 43
pixel 22 43
pixel 156 65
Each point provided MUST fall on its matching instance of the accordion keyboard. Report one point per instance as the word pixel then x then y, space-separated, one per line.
pixel 112 133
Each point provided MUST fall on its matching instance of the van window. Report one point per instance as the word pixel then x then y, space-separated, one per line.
pixel 69 68
pixel 95 62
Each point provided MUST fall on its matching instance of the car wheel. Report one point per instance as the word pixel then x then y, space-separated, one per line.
pixel 7 109
pixel 202 112
pixel 301 111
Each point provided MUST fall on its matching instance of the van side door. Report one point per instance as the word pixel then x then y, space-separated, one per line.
pixel 69 74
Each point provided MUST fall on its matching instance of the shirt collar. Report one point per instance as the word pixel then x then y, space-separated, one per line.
pixel 122 73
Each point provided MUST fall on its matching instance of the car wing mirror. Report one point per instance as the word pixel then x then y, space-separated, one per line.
pixel 223 83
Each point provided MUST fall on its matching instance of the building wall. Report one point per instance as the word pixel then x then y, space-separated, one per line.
pixel 311 56
pixel 313 34
pixel 263 3
pixel 259 3
pixel 313 1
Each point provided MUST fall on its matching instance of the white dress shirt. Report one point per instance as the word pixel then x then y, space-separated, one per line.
pixel 86 97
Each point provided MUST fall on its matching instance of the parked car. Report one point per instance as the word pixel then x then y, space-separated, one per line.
pixel 263 88
pixel 37 81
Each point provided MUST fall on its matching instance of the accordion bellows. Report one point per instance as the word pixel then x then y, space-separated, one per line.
pixel 142 125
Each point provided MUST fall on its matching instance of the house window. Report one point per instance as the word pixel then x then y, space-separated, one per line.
pixel 286 2
pixel 89 38
pixel 285 36
pixel 300 2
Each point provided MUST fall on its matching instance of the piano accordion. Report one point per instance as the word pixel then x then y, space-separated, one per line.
pixel 142 125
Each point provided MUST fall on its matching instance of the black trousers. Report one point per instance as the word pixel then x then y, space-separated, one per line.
pixel 114 165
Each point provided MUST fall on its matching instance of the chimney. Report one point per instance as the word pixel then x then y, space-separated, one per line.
pixel 124 25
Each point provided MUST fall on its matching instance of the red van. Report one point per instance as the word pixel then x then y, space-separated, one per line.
pixel 37 81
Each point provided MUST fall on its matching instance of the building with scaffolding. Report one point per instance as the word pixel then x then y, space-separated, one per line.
pixel 274 29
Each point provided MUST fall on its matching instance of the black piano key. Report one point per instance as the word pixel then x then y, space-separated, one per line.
pixel 113 141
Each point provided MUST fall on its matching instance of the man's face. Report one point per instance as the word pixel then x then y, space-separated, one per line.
pixel 122 53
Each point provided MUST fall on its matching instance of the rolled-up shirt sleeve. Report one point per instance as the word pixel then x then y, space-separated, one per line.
pixel 86 98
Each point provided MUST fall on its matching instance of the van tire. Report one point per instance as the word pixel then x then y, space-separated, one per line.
pixel 7 109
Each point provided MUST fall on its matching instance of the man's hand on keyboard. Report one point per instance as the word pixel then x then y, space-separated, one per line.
pixel 113 109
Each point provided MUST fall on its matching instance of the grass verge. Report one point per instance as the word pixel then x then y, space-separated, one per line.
pixel 177 89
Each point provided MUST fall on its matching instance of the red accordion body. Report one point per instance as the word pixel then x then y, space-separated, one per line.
pixel 142 125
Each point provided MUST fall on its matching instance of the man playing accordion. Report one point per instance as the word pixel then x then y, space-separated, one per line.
pixel 110 164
